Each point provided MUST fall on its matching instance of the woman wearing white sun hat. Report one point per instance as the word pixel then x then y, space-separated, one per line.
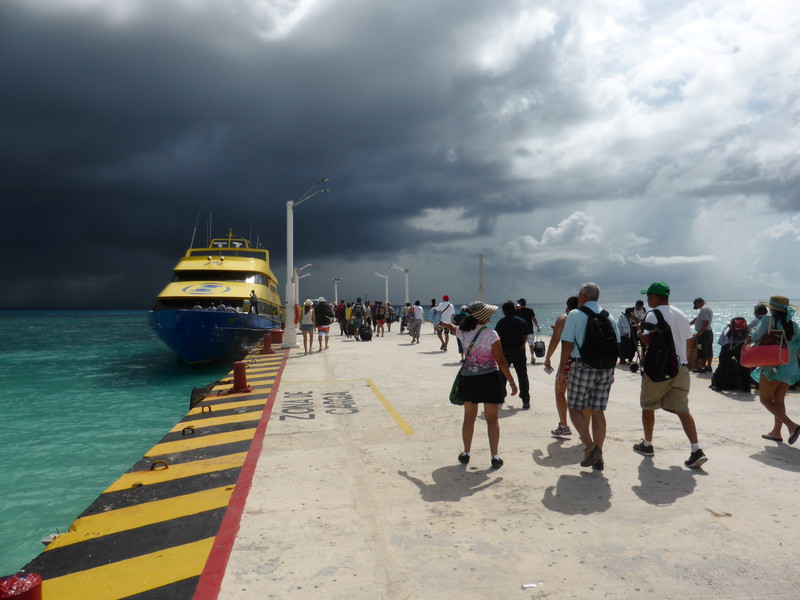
pixel 307 324
pixel 482 377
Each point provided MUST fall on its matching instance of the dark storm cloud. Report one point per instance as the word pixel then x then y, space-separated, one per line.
pixel 445 127
pixel 115 134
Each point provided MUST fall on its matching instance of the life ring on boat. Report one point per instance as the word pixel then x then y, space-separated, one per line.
pixel 296 314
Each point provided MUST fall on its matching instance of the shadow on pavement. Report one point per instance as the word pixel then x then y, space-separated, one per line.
pixel 558 455
pixel 583 494
pixel 662 487
pixel 452 483
pixel 781 456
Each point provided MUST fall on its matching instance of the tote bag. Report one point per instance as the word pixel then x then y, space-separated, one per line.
pixel 771 351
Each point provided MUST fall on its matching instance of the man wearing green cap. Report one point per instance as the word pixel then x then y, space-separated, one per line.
pixel 672 394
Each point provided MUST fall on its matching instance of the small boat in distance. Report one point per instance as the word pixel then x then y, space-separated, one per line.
pixel 221 301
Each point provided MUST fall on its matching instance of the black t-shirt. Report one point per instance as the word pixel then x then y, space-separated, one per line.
pixel 324 314
pixel 527 315
pixel 513 331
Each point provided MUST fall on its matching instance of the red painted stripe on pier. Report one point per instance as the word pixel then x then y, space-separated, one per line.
pixel 211 578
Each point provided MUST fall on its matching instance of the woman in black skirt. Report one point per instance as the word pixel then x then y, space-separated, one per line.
pixel 482 377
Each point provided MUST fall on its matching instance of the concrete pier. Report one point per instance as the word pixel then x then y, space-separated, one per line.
pixel 357 493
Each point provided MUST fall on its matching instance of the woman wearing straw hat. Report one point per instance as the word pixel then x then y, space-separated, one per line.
pixel 774 382
pixel 481 377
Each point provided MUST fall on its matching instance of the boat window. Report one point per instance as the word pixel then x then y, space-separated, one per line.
pixel 216 252
pixel 203 275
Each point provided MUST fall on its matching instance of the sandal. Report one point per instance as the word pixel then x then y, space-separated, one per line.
pixel 795 435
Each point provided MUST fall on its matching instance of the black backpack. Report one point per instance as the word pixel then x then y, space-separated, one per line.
pixel 660 359
pixel 599 348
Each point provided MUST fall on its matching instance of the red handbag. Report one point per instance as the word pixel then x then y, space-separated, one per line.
pixel 772 351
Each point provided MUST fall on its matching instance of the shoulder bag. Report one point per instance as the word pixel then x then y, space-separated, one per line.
pixel 454 399
pixel 771 351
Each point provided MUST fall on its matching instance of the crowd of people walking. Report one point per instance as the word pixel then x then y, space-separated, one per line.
pixel 660 342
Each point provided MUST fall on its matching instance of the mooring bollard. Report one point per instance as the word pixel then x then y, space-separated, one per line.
pixel 276 335
pixel 267 348
pixel 239 379
pixel 22 586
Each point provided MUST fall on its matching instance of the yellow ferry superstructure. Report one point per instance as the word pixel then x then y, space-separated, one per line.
pixel 220 301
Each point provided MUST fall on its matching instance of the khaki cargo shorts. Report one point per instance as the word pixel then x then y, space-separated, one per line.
pixel 671 395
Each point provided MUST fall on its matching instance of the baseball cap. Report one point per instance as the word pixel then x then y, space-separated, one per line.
pixel 446 298
pixel 658 287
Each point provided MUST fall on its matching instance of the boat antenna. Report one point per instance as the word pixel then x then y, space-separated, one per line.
pixel 194 231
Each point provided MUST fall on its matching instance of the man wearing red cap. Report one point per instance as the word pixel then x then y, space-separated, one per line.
pixel 446 312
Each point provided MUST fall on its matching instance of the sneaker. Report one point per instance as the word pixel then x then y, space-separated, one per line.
pixel 644 449
pixel 696 459
pixel 561 432
pixel 590 457
pixel 599 465
pixel 526 405
pixel 463 458
pixel 497 463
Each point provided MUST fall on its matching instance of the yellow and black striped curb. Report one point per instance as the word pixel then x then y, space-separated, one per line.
pixel 149 535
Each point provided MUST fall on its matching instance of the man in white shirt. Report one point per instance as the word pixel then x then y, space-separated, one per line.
pixel 704 335
pixel 446 312
pixel 415 315
pixel 672 394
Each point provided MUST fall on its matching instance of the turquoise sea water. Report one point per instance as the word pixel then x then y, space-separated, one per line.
pixel 85 394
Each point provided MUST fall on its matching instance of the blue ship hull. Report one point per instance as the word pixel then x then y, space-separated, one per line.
pixel 202 336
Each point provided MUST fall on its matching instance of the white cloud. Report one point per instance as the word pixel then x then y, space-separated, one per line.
pixel 578 228
pixel 450 220
pixel 662 261
pixel 499 45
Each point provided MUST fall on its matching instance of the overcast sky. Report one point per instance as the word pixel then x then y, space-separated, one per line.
pixel 613 141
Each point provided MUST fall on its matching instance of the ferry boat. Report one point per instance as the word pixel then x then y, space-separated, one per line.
pixel 222 299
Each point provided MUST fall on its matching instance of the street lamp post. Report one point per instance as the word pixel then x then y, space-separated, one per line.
pixel 386 284
pixel 297 278
pixel 336 281
pixel 290 335
pixel 405 276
